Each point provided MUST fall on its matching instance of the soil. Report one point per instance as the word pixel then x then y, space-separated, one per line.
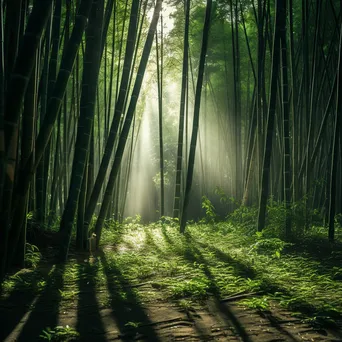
pixel 23 316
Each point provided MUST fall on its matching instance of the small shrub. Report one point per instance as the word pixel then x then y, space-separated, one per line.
pixel 32 255
pixel 257 303
pixel 186 305
pixel 196 288
pixel 133 325
pixel 59 333
pixel 210 215
pixel 244 217
pixel 268 246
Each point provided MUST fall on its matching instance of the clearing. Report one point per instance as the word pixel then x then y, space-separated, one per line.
pixel 149 283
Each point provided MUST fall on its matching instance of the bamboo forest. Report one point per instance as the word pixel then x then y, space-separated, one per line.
pixel 171 170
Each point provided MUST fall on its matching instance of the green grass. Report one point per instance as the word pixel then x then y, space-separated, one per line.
pixel 59 333
pixel 219 260
pixel 256 303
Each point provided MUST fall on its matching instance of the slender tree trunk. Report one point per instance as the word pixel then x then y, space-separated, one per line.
pixel 2 107
pixel 177 202
pixel 17 237
pixel 52 74
pixel 260 84
pixel 54 104
pixel 12 34
pixel 271 115
pixel 39 176
pixel 335 150
pixel 160 110
pixel 91 68
pixel 195 126
pixel 128 120
pixel 286 123
pixel 16 90
pixel 119 108
pixel 306 98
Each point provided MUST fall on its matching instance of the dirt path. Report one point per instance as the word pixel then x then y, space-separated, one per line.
pixel 98 300
pixel 212 321
pixel 155 320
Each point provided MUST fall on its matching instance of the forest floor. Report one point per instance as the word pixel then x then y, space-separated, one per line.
pixel 149 283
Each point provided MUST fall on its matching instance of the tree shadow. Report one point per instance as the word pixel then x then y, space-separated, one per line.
pixel 275 323
pixel 46 310
pixel 89 323
pixel 328 255
pixel 192 254
pixel 166 236
pixel 267 286
pixel 240 269
pixel 22 297
pixel 150 242
pixel 127 310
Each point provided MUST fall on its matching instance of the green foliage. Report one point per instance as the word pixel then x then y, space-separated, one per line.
pixel 30 216
pixel 111 234
pixel 186 304
pixel 244 216
pixel 195 288
pixel 297 282
pixel 32 256
pixel 168 221
pixel 210 215
pixel 269 246
pixel 224 228
pixel 157 177
pixel 26 280
pixel 156 262
pixel 68 294
pixel 132 220
pixel 33 224
pixel 133 325
pixel 220 192
pixel 59 333
pixel 256 303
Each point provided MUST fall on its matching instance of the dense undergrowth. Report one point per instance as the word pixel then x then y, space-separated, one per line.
pixel 216 259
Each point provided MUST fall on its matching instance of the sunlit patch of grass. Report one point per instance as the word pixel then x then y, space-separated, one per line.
pixel 68 294
pixel 256 303
pixel 197 288
pixel 172 262
pixel 297 281
pixel 134 238
pixel 59 333
pixel 71 273
pixel 175 267
pixel 111 234
pixel 157 263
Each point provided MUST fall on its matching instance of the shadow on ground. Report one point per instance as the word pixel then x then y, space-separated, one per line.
pixel 192 254
pixel 328 255
pixel 32 308
pixel 89 322
pixel 190 250
pixel 127 310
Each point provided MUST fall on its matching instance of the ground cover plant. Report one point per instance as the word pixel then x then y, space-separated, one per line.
pixel 142 266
